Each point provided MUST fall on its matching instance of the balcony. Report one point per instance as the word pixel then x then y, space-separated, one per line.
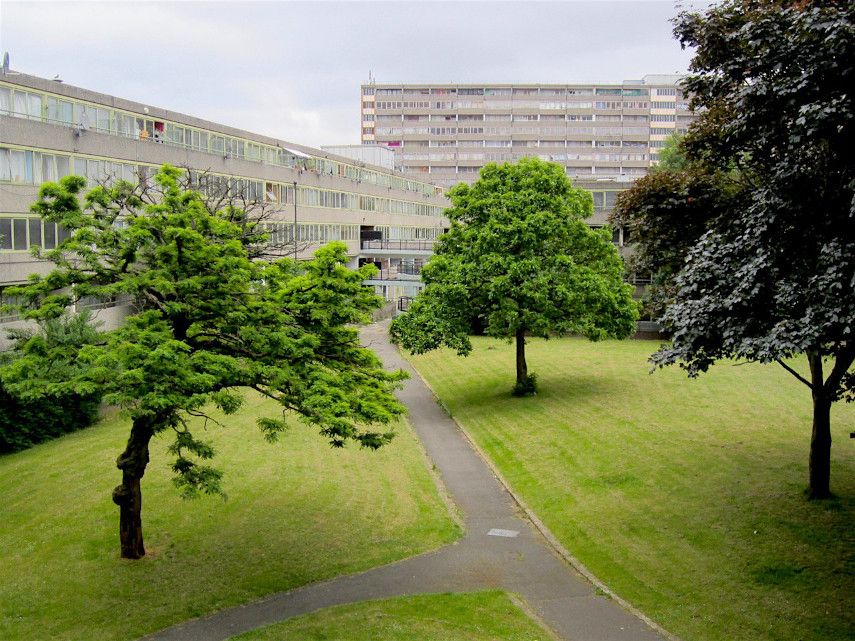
pixel 411 273
pixel 398 245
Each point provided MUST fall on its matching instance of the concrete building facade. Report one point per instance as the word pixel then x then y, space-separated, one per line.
pixel 605 135
pixel 50 129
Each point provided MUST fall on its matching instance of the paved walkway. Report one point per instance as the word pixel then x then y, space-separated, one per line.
pixel 515 557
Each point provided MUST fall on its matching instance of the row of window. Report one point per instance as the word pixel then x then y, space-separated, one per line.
pixel 582 144
pixel 30 167
pixel 571 170
pixel 407 118
pixel 512 91
pixel 557 156
pixel 56 109
pixel 20 233
pixel 398 105
pixel 553 156
pixel 643 132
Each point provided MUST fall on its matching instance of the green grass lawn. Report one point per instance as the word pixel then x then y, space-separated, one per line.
pixel 297 511
pixel 684 496
pixel 479 616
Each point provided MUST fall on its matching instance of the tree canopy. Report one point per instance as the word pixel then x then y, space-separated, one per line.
pixel 519 260
pixel 772 273
pixel 207 323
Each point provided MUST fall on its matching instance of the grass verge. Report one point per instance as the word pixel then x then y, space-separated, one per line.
pixel 297 511
pixel 684 496
pixel 478 616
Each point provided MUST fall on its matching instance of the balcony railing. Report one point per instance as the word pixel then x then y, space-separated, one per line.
pixel 404 273
pixel 406 245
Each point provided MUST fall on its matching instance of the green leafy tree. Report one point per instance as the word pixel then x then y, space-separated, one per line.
pixel 519 260
pixel 672 155
pixel 208 322
pixel 775 276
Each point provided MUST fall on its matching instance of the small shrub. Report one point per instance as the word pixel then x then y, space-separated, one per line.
pixel 527 387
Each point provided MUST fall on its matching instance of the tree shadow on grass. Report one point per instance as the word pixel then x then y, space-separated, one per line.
pixel 549 387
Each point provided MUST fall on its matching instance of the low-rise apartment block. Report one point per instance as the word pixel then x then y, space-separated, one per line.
pixel 49 130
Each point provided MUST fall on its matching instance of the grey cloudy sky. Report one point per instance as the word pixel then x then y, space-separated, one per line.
pixel 293 69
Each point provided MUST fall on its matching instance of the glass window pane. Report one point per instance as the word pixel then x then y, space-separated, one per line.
pixel 65 112
pixel 5 233
pixel 62 166
pixel 80 167
pixel 611 196
pixel 102 119
pixel 48 168
pixel 95 170
pixel 19 233
pixel 20 103
pixel 35 232
pixel 50 235
pixel 52 109
pixel 21 166
pixel 35 106
pixel 5 164
pixel 5 101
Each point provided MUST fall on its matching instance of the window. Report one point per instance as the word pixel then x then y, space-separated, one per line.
pixel 16 166
pixel 34 106
pixel 19 233
pixel 5 233
pixel 5 101
pixel 48 168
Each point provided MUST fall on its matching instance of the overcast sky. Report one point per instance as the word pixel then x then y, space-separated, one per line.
pixel 293 69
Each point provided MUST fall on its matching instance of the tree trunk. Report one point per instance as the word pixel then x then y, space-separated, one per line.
pixel 128 495
pixel 522 368
pixel 820 449
pixel 820 441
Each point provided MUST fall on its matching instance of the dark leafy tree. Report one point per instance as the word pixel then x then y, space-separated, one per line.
pixel 208 323
pixel 519 260
pixel 667 212
pixel 774 277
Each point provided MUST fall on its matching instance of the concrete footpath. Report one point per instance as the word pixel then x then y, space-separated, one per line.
pixel 501 549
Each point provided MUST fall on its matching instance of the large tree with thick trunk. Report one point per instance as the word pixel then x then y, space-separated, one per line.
pixel 208 324
pixel 519 261
pixel 773 274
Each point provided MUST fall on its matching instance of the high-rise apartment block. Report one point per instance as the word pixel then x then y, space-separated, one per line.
pixel 606 135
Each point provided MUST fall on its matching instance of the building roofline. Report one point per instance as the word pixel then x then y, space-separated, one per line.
pixel 38 83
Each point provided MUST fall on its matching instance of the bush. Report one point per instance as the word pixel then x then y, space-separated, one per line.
pixel 24 423
pixel 36 401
